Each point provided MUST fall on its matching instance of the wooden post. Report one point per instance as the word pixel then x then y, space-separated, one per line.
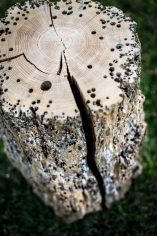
pixel 70 105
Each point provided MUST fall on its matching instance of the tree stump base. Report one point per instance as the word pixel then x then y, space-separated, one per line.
pixel 72 119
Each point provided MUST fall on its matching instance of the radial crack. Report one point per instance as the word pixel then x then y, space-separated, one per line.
pixel 22 54
pixel 55 28
pixel 34 65
pixel 90 20
pixel 60 66
pixel 11 58
pixel 88 128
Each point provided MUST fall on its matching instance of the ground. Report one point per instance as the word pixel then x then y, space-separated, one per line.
pixel 22 213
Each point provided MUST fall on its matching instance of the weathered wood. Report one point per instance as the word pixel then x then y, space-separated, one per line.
pixel 71 109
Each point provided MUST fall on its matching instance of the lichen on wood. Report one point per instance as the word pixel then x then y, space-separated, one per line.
pixel 70 105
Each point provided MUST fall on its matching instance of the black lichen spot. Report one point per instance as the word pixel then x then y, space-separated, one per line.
pixel 79 147
pixel 121 95
pixel 69 13
pixel 93 32
pixel 103 27
pixel 93 95
pixel 115 61
pixel 3 39
pixel 119 46
pixel 98 102
pixel 64 12
pixel 57 7
pixel 11 49
pixel 46 85
pixel 119 25
pixel 101 38
pixel 103 21
pixel 54 17
pixel 111 69
pixel 1 67
pixel 117 80
pixel 18 80
pixel 89 66
pixel 112 23
pixel 30 90
pixel 80 15
pixel 15 23
pixel 112 49
pixel 105 76
pixel 118 74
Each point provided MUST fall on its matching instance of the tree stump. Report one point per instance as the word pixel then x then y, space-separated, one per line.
pixel 72 118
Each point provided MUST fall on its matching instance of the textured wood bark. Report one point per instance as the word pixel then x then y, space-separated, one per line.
pixel 71 109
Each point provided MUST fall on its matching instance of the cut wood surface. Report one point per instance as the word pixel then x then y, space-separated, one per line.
pixel 71 109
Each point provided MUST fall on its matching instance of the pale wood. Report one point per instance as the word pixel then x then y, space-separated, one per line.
pixel 55 56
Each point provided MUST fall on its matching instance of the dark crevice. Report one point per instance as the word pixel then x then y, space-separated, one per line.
pixel 55 28
pixel 73 205
pixel 60 66
pixel 52 21
pixel 10 58
pixel 87 123
pixel 88 128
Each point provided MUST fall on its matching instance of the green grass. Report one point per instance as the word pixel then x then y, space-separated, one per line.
pixel 23 214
